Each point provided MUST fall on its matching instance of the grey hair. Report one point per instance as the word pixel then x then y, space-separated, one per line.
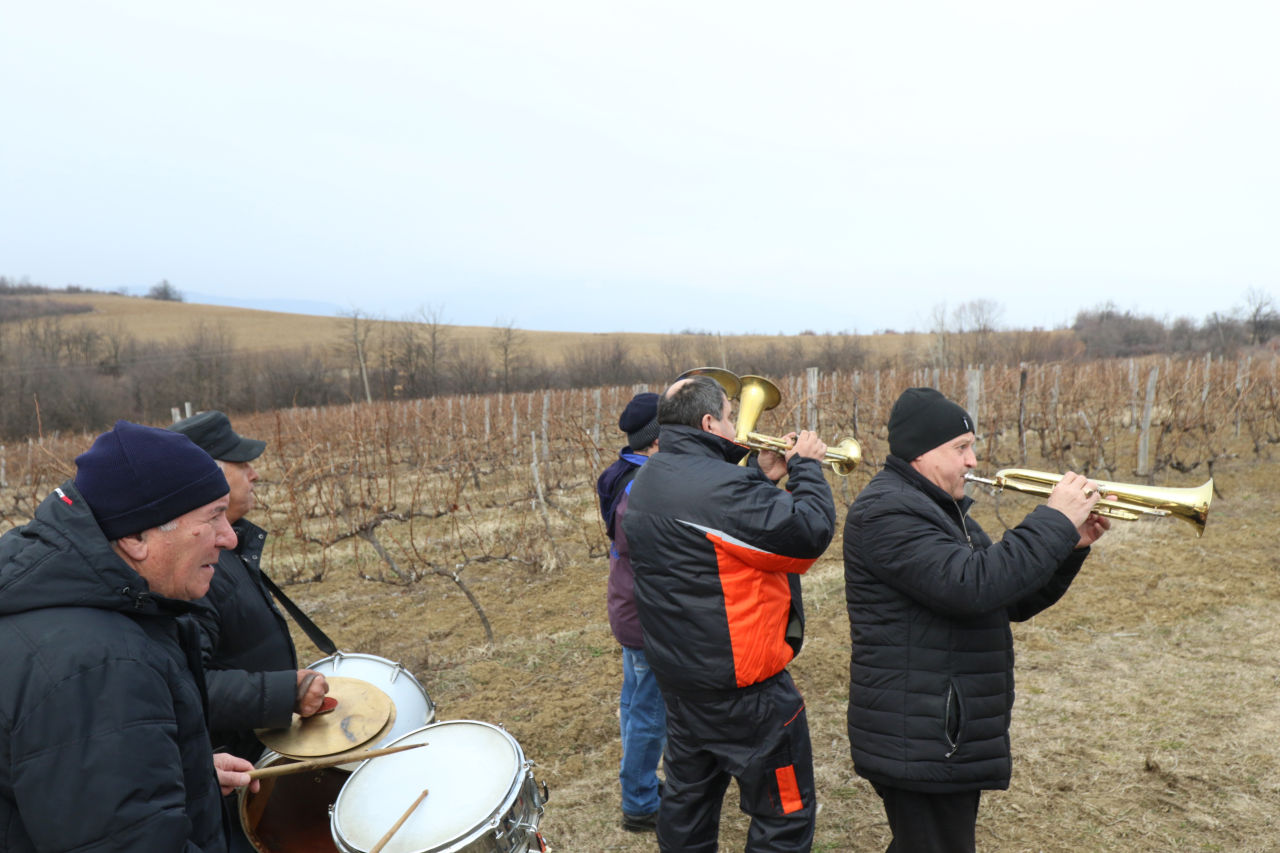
pixel 697 396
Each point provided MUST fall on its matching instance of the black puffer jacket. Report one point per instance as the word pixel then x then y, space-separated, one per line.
pixel 930 600
pixel 717 551
pixel 103 745
pixel 248 653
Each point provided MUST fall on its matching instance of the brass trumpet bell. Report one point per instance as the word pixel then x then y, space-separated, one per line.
pixel 1131 503
pixel 757 396
pixel 728 380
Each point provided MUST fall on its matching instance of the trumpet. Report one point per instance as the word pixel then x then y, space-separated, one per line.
pixel 843 456
pixel 1132 501
pixel 756 395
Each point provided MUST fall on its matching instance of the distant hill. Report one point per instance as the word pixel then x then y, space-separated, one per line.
pixel 262 330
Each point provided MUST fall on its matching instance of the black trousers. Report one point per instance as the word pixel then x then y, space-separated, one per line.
pixel 930 823
pixel 758 736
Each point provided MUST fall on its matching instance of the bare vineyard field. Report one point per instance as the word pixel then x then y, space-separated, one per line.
pixel 460 537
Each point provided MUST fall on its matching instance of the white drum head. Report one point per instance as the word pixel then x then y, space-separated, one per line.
pixel 471 769
pixel 414 708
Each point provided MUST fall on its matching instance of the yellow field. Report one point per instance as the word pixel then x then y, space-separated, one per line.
pixel 253 330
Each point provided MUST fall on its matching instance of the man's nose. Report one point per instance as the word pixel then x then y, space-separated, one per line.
pixel 225 537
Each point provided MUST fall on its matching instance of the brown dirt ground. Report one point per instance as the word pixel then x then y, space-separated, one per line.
pixel 1146 717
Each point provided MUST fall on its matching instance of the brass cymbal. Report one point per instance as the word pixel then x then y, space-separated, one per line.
pixel 364 713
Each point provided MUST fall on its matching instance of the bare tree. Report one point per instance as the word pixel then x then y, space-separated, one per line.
pixel 1260 316
pixel 355 341
pixel 508 346
pixel 435 344
pixel 977 321
pixel 940 345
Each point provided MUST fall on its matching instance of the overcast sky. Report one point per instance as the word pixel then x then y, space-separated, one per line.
pixel 649 166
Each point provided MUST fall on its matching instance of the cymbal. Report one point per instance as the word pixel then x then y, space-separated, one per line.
pixel 364 714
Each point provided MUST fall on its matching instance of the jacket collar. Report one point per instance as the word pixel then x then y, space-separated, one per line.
pixel 677 438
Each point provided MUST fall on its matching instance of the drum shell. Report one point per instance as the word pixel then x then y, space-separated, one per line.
pixel 505 823
pixel 294 817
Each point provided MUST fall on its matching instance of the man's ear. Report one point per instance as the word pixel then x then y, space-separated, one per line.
pixel 134 546
pixel 706 423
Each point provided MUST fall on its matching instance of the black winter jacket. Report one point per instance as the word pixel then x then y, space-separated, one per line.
pixel 717 551
pixel 251 666
pixel 103 745
pixel 930 600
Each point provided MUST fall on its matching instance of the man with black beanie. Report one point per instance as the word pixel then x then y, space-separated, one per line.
pixel 642 714
pixel 103 744
pixel 930 599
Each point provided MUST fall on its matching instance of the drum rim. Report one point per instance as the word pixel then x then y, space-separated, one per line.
pixel 523 772
pixel 400 670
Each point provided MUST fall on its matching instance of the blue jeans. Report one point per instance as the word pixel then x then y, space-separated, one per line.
pixel 644 734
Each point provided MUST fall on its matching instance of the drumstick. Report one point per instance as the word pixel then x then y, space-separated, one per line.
pixel 382 842
pixel 327 761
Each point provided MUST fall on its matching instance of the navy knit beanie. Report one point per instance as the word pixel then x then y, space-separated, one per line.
pixel 137 477
pixel 921 420
pixel 639 420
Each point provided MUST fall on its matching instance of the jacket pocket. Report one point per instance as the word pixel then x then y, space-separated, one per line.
pixel 952 718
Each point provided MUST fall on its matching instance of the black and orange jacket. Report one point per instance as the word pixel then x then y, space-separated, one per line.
pixel 717 551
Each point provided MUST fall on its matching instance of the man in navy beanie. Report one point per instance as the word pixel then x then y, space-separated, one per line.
pixel 642 716
pixel 101 692
pixel 930 599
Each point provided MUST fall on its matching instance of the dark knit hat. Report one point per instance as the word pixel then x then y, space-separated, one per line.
pixel 137 477
pixel 921 420
pixel 639 420
pixel 211 431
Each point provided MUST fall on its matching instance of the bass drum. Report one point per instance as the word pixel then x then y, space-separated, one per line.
pixel 290 813
pixel 413 707
pixel 481 797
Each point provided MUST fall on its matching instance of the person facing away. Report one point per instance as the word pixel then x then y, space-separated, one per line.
pixel 930 600
pixel 717 550
pixel 251 666
pixel 642 715
pixel 103 744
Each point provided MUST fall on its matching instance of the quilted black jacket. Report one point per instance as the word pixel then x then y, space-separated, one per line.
pixel 103 745
pixel 930 599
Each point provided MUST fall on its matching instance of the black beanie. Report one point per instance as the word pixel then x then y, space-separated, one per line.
pixel 639 420
pixel 921 420
pixel 137 477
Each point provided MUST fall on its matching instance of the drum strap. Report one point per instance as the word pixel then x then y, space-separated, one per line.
pixel 311 629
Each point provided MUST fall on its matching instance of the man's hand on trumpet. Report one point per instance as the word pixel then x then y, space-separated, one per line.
pixel 804 443
pixel 1075 497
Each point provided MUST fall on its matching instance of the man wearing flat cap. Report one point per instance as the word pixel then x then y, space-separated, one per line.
pixel 103 744
pixel 930 600
pixel 643 716
pixel 251 663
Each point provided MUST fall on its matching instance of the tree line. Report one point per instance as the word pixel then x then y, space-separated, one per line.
pixel 56 374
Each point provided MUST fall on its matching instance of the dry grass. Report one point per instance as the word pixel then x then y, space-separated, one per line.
pixel 1145 721
pixel 1146 717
